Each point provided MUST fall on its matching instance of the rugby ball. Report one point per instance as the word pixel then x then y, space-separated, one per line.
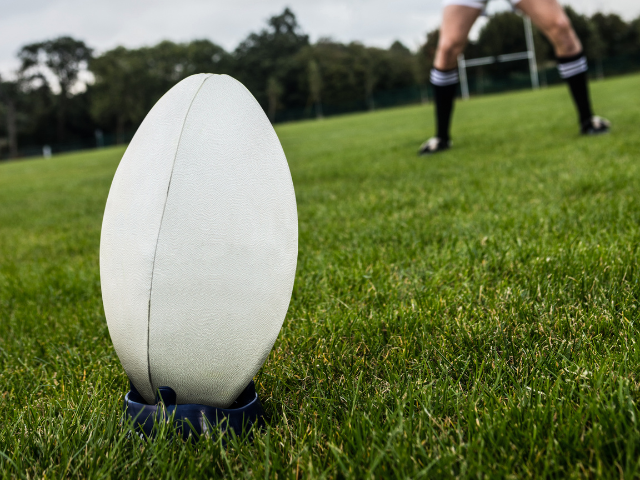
pixel 199 244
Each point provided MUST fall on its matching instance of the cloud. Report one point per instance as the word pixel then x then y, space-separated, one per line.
pixel 133 23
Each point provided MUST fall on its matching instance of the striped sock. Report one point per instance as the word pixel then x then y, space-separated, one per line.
pixel 445 85
pixel 574 71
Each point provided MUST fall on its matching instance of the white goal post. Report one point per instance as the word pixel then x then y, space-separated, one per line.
pixel 530 54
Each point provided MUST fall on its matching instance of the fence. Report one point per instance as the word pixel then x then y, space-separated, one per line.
pixel 493 78
pixel 47 150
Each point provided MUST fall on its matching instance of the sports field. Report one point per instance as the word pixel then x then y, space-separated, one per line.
pixel 474 313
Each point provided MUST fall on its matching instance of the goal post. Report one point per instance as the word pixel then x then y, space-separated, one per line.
pixel 530 54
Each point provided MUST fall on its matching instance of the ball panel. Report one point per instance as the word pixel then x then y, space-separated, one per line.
pixel 227 250
pixel 131 225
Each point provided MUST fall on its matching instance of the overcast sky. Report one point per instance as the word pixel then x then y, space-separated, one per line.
pixel 105 24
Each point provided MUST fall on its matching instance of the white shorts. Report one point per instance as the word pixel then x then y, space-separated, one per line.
pixel 479 4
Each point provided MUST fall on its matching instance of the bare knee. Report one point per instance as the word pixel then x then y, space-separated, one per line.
pixel 561 30
pixel 447 53
pixel 563 37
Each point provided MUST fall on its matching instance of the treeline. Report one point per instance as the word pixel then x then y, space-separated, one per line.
pixel 290 76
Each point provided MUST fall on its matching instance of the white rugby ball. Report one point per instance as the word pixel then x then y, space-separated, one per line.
pixel 199 244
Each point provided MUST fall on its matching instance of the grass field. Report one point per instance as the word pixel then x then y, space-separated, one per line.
pixel 467 315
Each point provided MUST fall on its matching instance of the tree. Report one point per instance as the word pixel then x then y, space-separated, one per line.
pixel 129 82
pixel 423 62
pixel 274 93
pixel 370 78
pixel 204 56
pixel 503 33
pixel 121 94
pixel 367 67
pixel 273 52
pixel 170 62
pixel 634 37
pixel 340 83
pixel 63 58
pixel 397 68
pixel 351 74
pixel 615 34
pixel 315 86
pixel 9 92
pixel 428 50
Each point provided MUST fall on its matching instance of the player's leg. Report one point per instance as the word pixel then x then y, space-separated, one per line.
pixel 549 17
pixel 457 19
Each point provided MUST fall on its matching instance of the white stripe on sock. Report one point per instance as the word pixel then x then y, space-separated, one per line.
pixel 443 79
pixel 572 64
pixel 573 70
pixel 570 69
pixel 442 75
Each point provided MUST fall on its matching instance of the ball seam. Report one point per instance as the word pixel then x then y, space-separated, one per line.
pixel 160 227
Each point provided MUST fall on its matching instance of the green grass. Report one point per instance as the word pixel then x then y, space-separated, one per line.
pixel 467 315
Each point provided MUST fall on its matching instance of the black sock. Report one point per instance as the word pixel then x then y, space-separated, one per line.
pixel 445 85
pixel 574 71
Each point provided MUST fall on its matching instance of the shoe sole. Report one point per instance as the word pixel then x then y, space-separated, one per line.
pixel 595 134
pixel 428 152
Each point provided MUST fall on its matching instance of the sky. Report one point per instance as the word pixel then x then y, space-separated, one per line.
pixel 106 24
